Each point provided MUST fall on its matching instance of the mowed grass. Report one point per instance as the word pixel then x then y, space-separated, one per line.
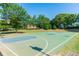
pixel 71 48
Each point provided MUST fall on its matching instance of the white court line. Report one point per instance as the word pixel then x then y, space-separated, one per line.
pixel 8 49
pixel 61 43
pixel 44 48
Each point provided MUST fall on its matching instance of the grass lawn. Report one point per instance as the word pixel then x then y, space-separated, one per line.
pixel 71 48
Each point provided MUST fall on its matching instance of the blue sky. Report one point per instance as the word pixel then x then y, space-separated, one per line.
pixel 50 9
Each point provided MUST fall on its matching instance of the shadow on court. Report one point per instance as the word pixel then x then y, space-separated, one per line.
pixel 73 30
pixel 39 50
pixel 1 54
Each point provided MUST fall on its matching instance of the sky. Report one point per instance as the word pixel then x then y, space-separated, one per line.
pixel 50 10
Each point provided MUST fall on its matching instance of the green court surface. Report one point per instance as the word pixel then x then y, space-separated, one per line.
pixel 44 43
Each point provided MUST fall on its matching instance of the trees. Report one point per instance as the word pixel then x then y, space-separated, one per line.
pixel 15 13
pixel 32 21
pixel 19 18
pixel 63 20
pixel 43 22
pixel 76 23
pixel 3 25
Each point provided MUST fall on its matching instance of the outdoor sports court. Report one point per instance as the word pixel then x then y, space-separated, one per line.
pixel 35 44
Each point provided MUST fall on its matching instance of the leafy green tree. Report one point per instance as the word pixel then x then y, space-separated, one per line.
pixel 25 22
pixel 63 20
pixel 15 13
pixel 34 20
pixel 76 24
pixel 43 22
pixel 4 25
